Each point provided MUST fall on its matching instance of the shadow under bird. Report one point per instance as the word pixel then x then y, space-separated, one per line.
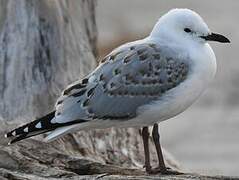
pixel 139 84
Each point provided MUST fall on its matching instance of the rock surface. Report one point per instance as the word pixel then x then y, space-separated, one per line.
pixel 33 159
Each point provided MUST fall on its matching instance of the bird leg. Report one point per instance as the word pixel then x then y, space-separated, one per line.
pixel 145 136
pixel 156 140
pixel 161 168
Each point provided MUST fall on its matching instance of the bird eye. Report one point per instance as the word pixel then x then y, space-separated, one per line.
pixel 187 30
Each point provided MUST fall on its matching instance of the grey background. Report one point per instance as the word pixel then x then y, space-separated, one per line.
pixel 205 138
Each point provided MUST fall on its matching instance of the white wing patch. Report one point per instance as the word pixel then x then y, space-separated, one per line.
pixel 39 126
pixel 26 129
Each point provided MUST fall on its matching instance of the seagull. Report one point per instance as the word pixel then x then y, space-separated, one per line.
pixel 138 84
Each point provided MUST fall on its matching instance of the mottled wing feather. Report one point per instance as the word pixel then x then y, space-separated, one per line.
pixel 129 77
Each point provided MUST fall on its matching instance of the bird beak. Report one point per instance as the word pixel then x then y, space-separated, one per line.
pixel 216 37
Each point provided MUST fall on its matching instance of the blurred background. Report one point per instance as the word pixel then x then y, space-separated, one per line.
pixel 205 138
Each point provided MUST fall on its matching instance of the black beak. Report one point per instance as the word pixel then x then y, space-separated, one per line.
pixel 216 37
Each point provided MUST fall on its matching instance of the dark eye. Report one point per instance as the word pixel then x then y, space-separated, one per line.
pixel 187 30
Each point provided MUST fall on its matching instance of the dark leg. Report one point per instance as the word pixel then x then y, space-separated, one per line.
pixel 162 167
pixel 145 136
pixel 156 137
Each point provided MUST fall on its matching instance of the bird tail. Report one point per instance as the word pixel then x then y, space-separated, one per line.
pixel 36 127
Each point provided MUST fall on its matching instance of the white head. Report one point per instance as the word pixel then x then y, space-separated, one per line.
pixel 184 25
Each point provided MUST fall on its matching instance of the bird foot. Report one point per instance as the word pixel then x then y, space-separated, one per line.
pixel 148 169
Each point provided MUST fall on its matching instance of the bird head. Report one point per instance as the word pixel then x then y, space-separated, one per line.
pixel 184 25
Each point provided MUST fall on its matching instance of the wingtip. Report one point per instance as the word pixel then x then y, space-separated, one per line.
pixel 5 135
pixel 10 134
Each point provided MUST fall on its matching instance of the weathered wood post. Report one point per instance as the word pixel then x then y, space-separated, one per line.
pixel 44 46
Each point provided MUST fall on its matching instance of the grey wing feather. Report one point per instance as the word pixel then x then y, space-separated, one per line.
pixel 127 78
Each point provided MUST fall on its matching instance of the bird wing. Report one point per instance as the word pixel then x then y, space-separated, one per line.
pixel 131 76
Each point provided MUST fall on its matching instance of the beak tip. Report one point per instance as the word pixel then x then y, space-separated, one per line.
pixel 228 41
pixel 224 39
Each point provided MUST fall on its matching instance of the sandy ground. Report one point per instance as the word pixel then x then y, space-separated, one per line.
pixel 205 137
